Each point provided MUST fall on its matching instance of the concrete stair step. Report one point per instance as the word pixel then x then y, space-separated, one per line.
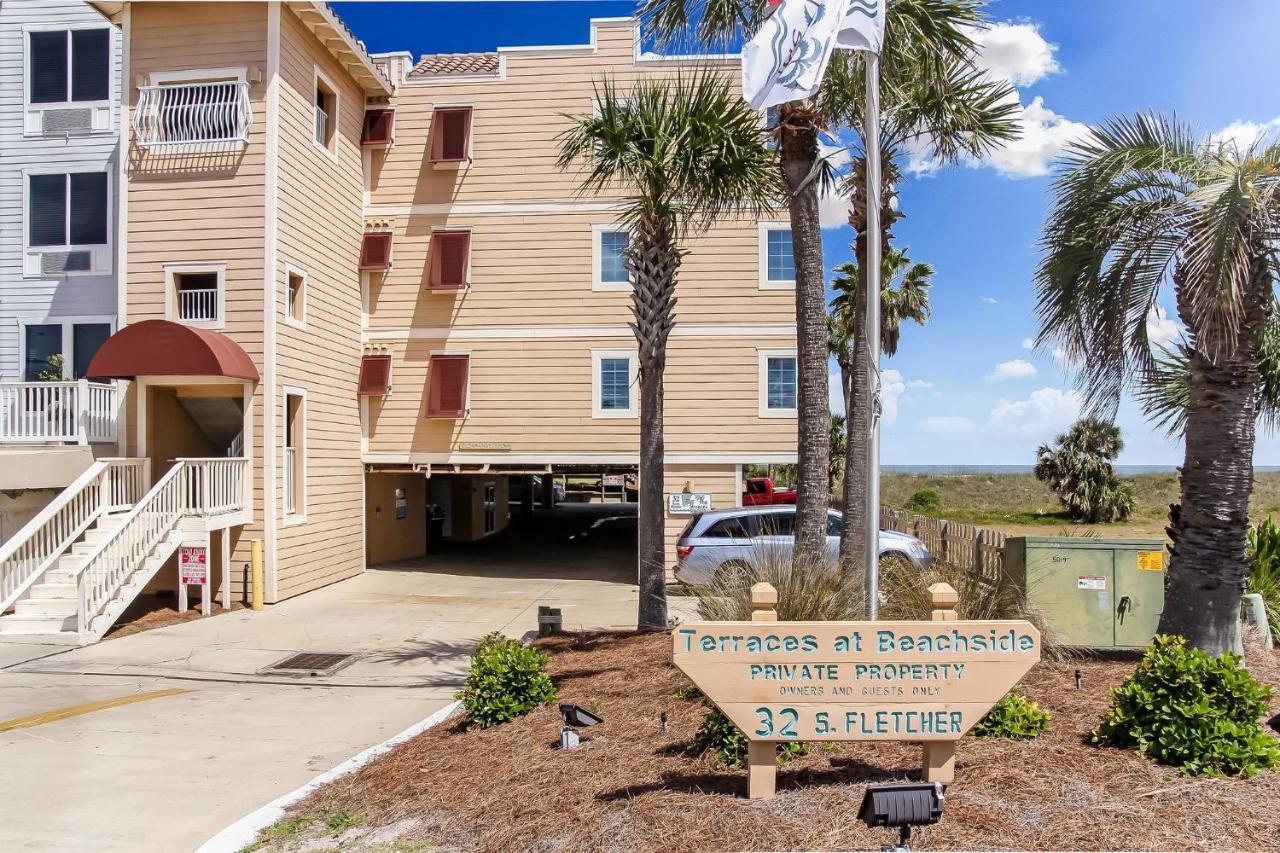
pixel 25 623
pixel 61 607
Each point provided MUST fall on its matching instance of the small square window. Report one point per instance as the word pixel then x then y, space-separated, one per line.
pixel 296 298
pixel 613 262
pixel 782 264
pixel 613 392
pixel 196 294
pixel 326 112
pixel 778 384
pixel 450 135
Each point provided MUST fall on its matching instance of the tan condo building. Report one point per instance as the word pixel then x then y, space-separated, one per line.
pixel 361 306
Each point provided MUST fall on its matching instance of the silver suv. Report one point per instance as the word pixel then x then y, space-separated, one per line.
pixel 733 537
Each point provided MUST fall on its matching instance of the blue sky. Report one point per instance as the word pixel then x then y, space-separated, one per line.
pixel 965 389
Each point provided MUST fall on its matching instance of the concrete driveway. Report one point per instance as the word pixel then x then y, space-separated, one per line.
pixel 157 740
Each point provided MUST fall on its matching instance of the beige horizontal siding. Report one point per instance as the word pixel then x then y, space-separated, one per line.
pixel 536 395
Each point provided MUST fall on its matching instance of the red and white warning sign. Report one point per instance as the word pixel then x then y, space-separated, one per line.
pixel 193 564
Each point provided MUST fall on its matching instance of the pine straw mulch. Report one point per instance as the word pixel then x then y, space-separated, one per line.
pixel 635 787
pixel 155 611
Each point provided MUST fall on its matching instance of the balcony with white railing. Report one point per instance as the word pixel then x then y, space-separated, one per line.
pixel 75 412
pixel 198 304
pixel 216 489
pixel 187 114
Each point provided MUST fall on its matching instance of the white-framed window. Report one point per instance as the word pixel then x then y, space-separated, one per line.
pixel 67 86
pixel 295 453
pixel 778 383
pixel 326 102
pixel 608 263
pixel 76 339
pixel 777 261
pixel 196 294
pixel 295 296
pixel 614 389
pixel 67 222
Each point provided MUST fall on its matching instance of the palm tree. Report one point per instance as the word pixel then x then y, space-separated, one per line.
pixel 1143 205
pixel 904 296
pixel 685 153
pixel 1078 469
pixel 936 96
pixel 835 468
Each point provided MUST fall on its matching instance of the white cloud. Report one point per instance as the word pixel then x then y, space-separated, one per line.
pixel 1015 52
pixel 990 300
pixel 1242 133
pixel 1028 343
pixel 1162 333
pixel 919 385
pixel 833 207
pixel 893 388
pixel 835 393
pixel 946 425
pixel 1045 136
pixel 1013 369
pixel 1042 415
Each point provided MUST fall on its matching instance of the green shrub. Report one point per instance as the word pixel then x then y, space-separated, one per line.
pixel 1014 716
pixel 717 733
pixel 924 502
pixel 1264 569
pixel 1188 710
pixel 506 681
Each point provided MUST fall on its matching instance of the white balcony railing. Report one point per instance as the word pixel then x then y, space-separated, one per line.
pixel 77 411
pixel 198 304
pixel 214 486
pixel 186 113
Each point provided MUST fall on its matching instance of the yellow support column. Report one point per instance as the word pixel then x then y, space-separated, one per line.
pixel 255 569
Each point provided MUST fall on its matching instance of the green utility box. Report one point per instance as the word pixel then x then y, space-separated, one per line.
pixel 1099 593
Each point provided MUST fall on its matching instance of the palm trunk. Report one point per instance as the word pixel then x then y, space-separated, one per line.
pixel 654 260
pixel 799 155
pixel 853 535
pixel 1210 561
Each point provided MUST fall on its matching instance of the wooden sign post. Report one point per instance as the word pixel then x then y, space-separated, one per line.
pixel 849 681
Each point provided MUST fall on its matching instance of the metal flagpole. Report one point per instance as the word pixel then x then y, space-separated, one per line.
pixel 871 140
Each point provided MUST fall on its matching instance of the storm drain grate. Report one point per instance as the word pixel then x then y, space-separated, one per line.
pixel 311 663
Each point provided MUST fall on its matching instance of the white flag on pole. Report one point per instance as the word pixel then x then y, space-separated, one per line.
pixel 787 58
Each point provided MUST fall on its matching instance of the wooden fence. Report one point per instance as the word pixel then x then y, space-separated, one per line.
pixel 967 546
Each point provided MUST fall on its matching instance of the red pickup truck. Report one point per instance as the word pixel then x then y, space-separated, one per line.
pixel 760 491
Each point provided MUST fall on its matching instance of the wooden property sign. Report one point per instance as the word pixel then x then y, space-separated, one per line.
pixel 846 681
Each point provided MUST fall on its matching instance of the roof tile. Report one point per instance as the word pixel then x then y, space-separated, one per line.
pixel 452 64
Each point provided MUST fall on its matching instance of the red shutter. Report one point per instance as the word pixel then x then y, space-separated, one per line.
pixel 450 252
pixel 447 386
pixel 375 375
pixel 375 251
pixel 379 127
pixel 450 133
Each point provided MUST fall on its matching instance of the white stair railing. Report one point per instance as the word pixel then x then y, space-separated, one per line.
pixel 108 485
pixel 214 486
pixel 72 411
pixel 119 554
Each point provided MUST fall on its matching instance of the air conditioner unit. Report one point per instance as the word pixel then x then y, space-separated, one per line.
pixel 57 263
pixel 66 121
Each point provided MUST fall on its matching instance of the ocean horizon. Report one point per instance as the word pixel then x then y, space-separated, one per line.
pixel 956 470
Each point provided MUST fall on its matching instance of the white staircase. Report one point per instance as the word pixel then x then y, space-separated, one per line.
pixel 71 572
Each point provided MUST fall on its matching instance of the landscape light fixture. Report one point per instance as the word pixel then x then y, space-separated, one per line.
pixel 575 717
pixel 903 806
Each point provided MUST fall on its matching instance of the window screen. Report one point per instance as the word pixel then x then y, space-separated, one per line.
pixel 88 208
pixel 86 338
pixel 47 210
pixel 48 70
pixel 90 65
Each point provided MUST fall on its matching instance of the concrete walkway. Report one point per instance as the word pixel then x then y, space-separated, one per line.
pixel 205 737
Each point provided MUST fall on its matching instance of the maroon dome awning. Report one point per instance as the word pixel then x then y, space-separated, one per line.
pixel 165 348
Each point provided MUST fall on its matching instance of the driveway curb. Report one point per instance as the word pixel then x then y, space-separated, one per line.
pixel 242 833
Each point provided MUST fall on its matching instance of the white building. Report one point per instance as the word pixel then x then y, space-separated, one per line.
pixel 59 180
